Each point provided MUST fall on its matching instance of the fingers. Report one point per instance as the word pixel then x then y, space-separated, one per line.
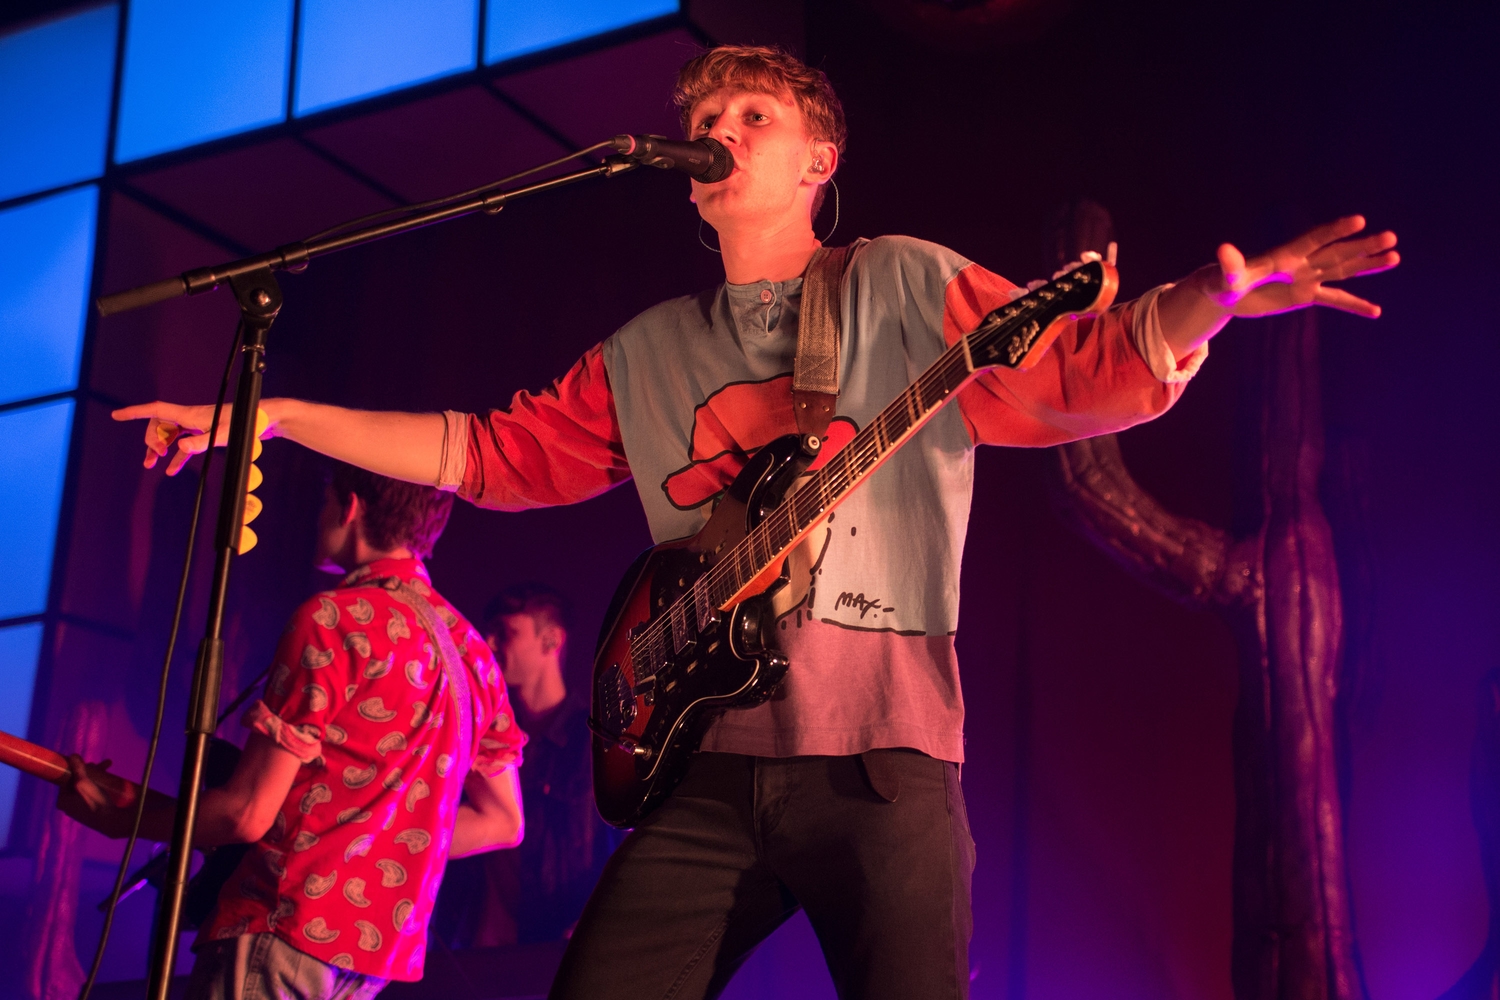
pixel 1232 265
pixel 167 412
pixel 1365 246
pixel 159 437
pixel 1339 299
pixel 1360 265
pixel 1329 232
pixel 187 447
pixel 168 424
pixel 81 785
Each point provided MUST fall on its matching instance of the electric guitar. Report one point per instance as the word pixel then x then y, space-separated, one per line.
pixel 688 631
pixel 219 863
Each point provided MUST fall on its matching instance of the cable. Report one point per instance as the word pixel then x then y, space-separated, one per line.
pixel 420 206
pixel 166 669
pixel 242 697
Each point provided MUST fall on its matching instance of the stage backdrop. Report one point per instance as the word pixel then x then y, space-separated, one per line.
pixel 1098 774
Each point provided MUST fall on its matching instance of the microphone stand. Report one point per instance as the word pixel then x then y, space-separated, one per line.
pixel 253 282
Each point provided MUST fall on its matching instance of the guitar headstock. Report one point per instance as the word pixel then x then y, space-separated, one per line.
pixel 1018 333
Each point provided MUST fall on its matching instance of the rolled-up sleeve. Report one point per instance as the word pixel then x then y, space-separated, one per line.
pixel 1093 380
pixel 557 446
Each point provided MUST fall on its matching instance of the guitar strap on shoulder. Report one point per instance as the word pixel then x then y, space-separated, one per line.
pixel 447 655
pixel 815 372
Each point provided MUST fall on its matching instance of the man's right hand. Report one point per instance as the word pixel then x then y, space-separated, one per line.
pixel 185 425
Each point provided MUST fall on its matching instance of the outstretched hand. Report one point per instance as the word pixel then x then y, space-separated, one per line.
pixel 1296 274
pixel 186 426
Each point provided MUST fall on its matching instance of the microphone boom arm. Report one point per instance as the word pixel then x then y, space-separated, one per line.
pixel 295 256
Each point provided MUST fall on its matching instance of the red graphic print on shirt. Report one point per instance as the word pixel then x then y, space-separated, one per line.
pixel 730 426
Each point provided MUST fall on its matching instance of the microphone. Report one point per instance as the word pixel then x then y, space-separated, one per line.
pixel 704 159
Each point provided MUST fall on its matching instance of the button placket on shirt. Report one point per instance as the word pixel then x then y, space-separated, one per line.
pixel 772 303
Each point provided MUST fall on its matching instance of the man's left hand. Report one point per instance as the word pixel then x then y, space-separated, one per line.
pixel 1296 274
pixel 92 805
pixel 1293 276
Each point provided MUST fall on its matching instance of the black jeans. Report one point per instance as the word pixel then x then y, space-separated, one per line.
pixel 744 841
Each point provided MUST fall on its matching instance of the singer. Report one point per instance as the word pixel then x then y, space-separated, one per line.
pixel 841 796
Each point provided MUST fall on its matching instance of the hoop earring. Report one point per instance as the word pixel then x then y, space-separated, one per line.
pixel 705 242
pixel 835 210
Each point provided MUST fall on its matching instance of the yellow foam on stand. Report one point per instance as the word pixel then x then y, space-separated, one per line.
pixel 254 478
pixel 261 423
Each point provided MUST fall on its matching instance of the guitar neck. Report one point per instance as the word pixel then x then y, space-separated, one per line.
pixel 1014 336
pixel 49 765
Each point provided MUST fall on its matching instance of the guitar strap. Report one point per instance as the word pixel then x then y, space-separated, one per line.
pixel 815 372
pixel 815 392
pixel 452 663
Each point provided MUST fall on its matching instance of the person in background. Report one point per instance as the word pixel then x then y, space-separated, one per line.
pixel 536 892
pixel 349 785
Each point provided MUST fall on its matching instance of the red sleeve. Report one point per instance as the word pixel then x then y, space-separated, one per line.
pixel 1091 381
pixel 557 446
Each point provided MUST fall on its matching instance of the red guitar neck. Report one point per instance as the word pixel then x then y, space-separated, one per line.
pixel 51 766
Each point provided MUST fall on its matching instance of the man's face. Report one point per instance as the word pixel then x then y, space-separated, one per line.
pixel 773 156
pixel 522 649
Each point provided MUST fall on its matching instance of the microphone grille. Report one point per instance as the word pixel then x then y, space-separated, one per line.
pixel 722 165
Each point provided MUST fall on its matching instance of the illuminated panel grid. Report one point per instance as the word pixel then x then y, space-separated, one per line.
pixel 33 458
pixel 55 82
pixel 46 253
pixel 350 49
pixel 19 647
pixel 196 71
pixel 518 27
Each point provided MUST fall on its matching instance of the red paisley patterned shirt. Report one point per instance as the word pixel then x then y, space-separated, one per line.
pixel 351 866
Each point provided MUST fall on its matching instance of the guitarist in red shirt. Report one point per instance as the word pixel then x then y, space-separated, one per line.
pixel 840 795
pixel 382 706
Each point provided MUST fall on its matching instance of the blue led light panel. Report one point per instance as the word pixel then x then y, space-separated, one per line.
pixel 33 458
pixel 517 27
pixel 20 645
pixel 46 255
pixel 350 49
pixel 196 71
pixel 55 83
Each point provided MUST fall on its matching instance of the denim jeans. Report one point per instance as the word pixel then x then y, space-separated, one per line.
pixel 264 967
pixel 875 848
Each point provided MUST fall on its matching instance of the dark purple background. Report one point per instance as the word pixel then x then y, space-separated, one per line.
pixel 1098 774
